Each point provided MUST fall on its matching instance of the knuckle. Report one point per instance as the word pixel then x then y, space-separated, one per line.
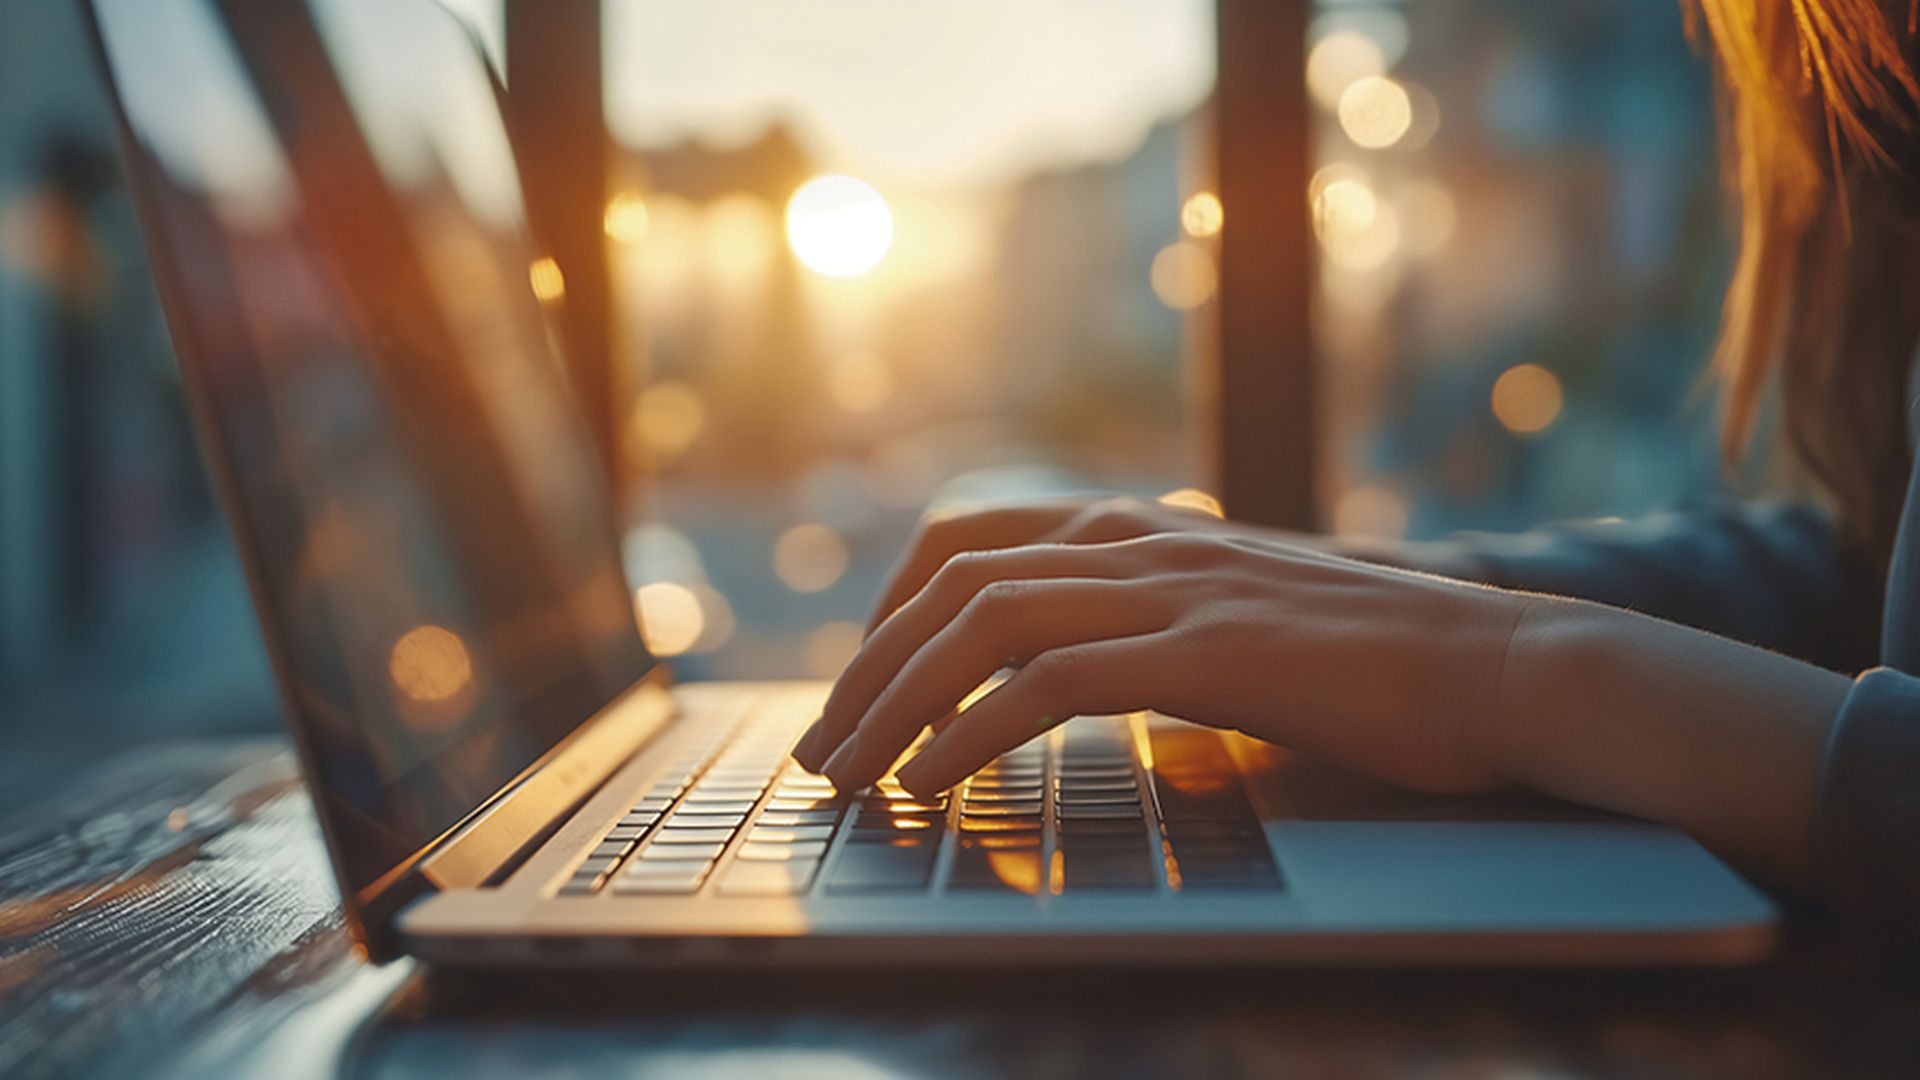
pixel 1059 672
pixel 990 604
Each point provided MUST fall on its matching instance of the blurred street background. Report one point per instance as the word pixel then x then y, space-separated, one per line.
pixel 885 254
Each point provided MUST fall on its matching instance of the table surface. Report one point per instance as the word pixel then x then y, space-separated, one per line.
pixel 174 916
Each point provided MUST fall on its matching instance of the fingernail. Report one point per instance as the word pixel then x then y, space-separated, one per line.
pixel 911 774
pixel 807 750
pixel 841 759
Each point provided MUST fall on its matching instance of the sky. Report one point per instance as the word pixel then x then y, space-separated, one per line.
pixel 925 91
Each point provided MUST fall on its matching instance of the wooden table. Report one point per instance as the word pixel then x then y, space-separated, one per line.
pixel 175 917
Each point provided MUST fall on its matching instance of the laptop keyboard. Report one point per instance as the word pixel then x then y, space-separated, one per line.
pixel 1110 804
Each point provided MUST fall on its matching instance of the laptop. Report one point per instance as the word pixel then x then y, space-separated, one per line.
pixel 506 778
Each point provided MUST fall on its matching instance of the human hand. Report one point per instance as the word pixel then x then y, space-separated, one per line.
pixel 1057 521
pixel 1392 673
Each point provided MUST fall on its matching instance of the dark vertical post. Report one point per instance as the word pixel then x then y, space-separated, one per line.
pixel 1265 404
pixel 555 101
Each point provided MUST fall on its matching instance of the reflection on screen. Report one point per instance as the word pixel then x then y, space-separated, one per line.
pixel 336 225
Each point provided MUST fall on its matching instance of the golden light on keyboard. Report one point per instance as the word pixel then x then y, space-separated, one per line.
pixel 908 824
pixel 984 689
pixel 1017 868
pixel 429 664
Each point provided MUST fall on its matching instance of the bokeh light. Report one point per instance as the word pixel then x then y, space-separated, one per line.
pixel 1339 60
pixel 626 218
pixel 1527 399
pixel 544 276
pixel 671 619
pixel 839 226
pixel 666 420
pixel 1202 215
pixel 1183 275
pixel 809 558
pixel 830 646
pixel 430 664
pixel 1375 112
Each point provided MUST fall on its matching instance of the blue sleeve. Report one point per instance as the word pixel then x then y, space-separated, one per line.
pixel 1771 574
pixel 1866 837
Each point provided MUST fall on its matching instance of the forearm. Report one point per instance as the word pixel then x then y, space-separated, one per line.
pixel 1649 718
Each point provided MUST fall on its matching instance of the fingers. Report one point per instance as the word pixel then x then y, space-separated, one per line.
pixel 937 604
pixel 941 538
pixel 1112 676
pixel 1008 623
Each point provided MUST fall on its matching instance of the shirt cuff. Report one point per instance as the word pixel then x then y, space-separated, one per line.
pixel 1866 857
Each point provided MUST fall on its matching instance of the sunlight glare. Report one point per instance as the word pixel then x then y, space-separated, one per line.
pixel 839 226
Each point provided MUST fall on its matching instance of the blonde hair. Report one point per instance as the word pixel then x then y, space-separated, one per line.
pixel 1819 107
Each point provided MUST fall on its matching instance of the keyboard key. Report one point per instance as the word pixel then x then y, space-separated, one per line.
pixel 626 832
pixel 671 835
pixel 768 878
pixel 640 818
pixel 1118 786
pixel 892 867
pixel 598 864
pixel 689 820
pixel 580 887
pixel 1103 826
pixel 1100 811
pixel 752 851
pixel 771 834
pixel 685 879
pixel 799 805
pixel 797 817
pixel 1005 809
pixel 613 849
pixel 691 805
pixel 657 852
pixel 991 863
pixel 1022 793
pixel 724 792
pixel 999 824
pixel 884 822
pixel 652 804
pixel 1096 774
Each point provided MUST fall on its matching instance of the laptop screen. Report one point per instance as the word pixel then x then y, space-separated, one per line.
pixel 335 221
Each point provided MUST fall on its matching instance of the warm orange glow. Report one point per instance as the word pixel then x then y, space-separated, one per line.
pixel 1202 215
pixel 671 619
pixel 544 276
pixel 830 646
pixel 1344 206
pixel 626 218
pixel 666 420
pixel 860 382
pixel 809 558
pixel 1339 60
pixel 429 664
pixel 1184 276
pixel 839 226
pixel 1194 499
pixel 1375 112
pixel 1527 399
